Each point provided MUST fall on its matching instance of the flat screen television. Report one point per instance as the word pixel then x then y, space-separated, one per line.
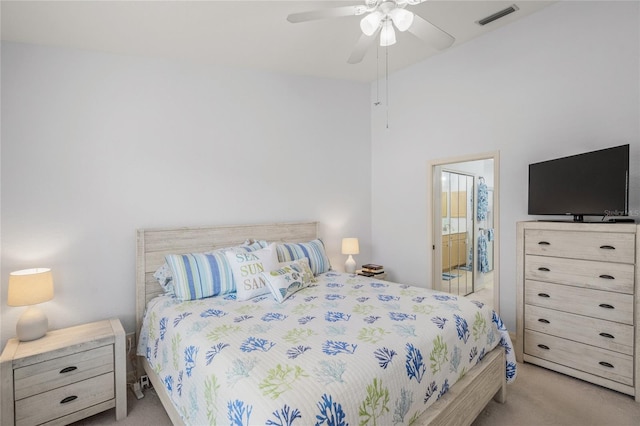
pixel 591 184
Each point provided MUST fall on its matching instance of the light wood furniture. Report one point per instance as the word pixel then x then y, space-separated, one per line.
pixel 382 276
pixel 459 204
pixel 65 376
pixel 461 405
pixel 578 304
pixel 454 250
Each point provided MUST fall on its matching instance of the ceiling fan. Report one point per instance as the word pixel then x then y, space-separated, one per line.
pixel 381 16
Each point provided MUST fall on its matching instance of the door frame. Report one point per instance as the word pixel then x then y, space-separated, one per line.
pixel 432 227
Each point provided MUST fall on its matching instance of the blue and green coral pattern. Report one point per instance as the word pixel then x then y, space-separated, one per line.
pixel 348 351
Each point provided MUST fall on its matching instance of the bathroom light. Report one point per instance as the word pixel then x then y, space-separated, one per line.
pixel 350 246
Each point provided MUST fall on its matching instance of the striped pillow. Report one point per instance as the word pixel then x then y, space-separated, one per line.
pixel 164 275
pixel 313 250
pixel 200 275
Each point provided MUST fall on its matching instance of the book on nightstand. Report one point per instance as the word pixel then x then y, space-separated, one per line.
pixel 371 270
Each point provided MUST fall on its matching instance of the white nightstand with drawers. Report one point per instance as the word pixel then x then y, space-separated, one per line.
pixel 65 376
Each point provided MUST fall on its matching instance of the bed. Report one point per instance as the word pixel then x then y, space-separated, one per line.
pixel 345 349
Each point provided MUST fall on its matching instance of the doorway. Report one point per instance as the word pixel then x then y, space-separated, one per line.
pixel 465 226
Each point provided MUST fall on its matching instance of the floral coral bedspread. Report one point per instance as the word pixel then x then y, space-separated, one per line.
pixel 350 350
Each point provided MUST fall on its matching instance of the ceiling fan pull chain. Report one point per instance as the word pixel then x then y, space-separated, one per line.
pixel 377 102
pixel 386 50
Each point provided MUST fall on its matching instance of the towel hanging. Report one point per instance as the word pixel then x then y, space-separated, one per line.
pixel 483 199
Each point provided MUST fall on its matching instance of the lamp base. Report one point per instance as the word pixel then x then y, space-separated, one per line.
pixel 32 325
pixel 350 265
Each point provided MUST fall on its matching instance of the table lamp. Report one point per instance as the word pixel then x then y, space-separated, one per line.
pixel 29 287
pixel 350 246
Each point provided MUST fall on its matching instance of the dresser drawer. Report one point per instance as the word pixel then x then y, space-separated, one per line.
pixel 596 332
pixel 51 374
pixel 603 246
pixel 592 360
pixel 65 400
pixel 608 276
pixel 583 301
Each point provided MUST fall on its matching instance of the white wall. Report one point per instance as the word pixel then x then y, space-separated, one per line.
pixel 95 146
pixel 562 81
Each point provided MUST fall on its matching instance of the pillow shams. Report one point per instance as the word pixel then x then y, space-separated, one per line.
pixel 164 274
pixel 247 268
pixel 313 250
pixel 200 275
pixel 289 278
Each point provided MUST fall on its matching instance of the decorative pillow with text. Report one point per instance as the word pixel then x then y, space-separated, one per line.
pixel 247 268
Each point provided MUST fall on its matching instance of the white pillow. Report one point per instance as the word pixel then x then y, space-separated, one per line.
pixel 289 278
pixel 247 268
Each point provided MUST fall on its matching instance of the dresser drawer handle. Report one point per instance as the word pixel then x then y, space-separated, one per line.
pixel 607 247
pixel 543 295
pixel 545 347
pixel 544 243
pixel 544 321
pixel 607 277
pixel 68 369
pixel 606 306
pixel 605 364
pixel 69 399
pixel 543 269
pixel 607 335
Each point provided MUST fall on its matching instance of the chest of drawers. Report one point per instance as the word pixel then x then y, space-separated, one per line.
pixel 577 301
pixel 67 375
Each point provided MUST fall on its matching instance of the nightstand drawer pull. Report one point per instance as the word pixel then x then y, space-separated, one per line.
pixel 543 269
pixel 544 321
pixel 545 347
pixel 544 243
pixel 605 364
pixel 68 369
pixel 69 399
pixel 606 306
pixel 543 295
pixel 607 335
pixel 607 247
pixel 607 277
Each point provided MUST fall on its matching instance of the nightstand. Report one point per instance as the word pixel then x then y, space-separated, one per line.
pixel 382 276
pixel 65 376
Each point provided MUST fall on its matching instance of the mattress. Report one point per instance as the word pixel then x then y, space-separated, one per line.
pixel 349 350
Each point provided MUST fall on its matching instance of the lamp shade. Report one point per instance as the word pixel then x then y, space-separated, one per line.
pixel 370 23
pixel 402 18
pixel 388 34
pixel 350 246
pixel 30 286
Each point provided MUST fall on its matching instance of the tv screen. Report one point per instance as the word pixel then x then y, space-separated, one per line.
pixel 591 184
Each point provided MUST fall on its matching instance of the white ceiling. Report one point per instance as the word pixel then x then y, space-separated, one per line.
pixel 253 34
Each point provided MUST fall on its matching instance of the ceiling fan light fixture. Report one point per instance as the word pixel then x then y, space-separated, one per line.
pixel 388 34
pixel 401 18
pixel 370 23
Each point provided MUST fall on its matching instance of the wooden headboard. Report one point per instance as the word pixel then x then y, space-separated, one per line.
pixel 154 244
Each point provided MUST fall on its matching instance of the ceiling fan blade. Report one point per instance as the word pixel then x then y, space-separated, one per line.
pixel 336 12
pixel 430 34
pixel 363 44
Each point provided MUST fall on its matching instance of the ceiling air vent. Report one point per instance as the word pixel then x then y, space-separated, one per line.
pixel 498 15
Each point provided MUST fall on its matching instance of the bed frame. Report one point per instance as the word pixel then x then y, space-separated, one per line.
pixel 459 406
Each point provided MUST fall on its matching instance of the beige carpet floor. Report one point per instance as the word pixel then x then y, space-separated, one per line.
pixel 538 397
